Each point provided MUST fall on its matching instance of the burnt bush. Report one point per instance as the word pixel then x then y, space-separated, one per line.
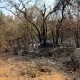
pixel 64 50
pixel 72 65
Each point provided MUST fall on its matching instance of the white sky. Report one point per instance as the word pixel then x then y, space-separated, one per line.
pixel 49 2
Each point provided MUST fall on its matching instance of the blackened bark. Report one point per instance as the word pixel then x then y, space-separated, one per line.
pixel 57 36
pixel 76 39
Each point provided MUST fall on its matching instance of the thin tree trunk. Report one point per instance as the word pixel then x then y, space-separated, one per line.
pixel 57 36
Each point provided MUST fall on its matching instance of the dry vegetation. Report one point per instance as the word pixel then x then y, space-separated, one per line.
pixel 41 41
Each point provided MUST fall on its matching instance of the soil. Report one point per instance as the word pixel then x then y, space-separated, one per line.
pixel 15 67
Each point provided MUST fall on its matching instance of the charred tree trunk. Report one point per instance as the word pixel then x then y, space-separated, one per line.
pixel 61 41
pixel 59 25
pixel 44 33
pixel 77 39
pixel 53 38
pixel 57 36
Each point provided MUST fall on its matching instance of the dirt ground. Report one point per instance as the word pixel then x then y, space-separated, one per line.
pixel 21 68
pixel 18 68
